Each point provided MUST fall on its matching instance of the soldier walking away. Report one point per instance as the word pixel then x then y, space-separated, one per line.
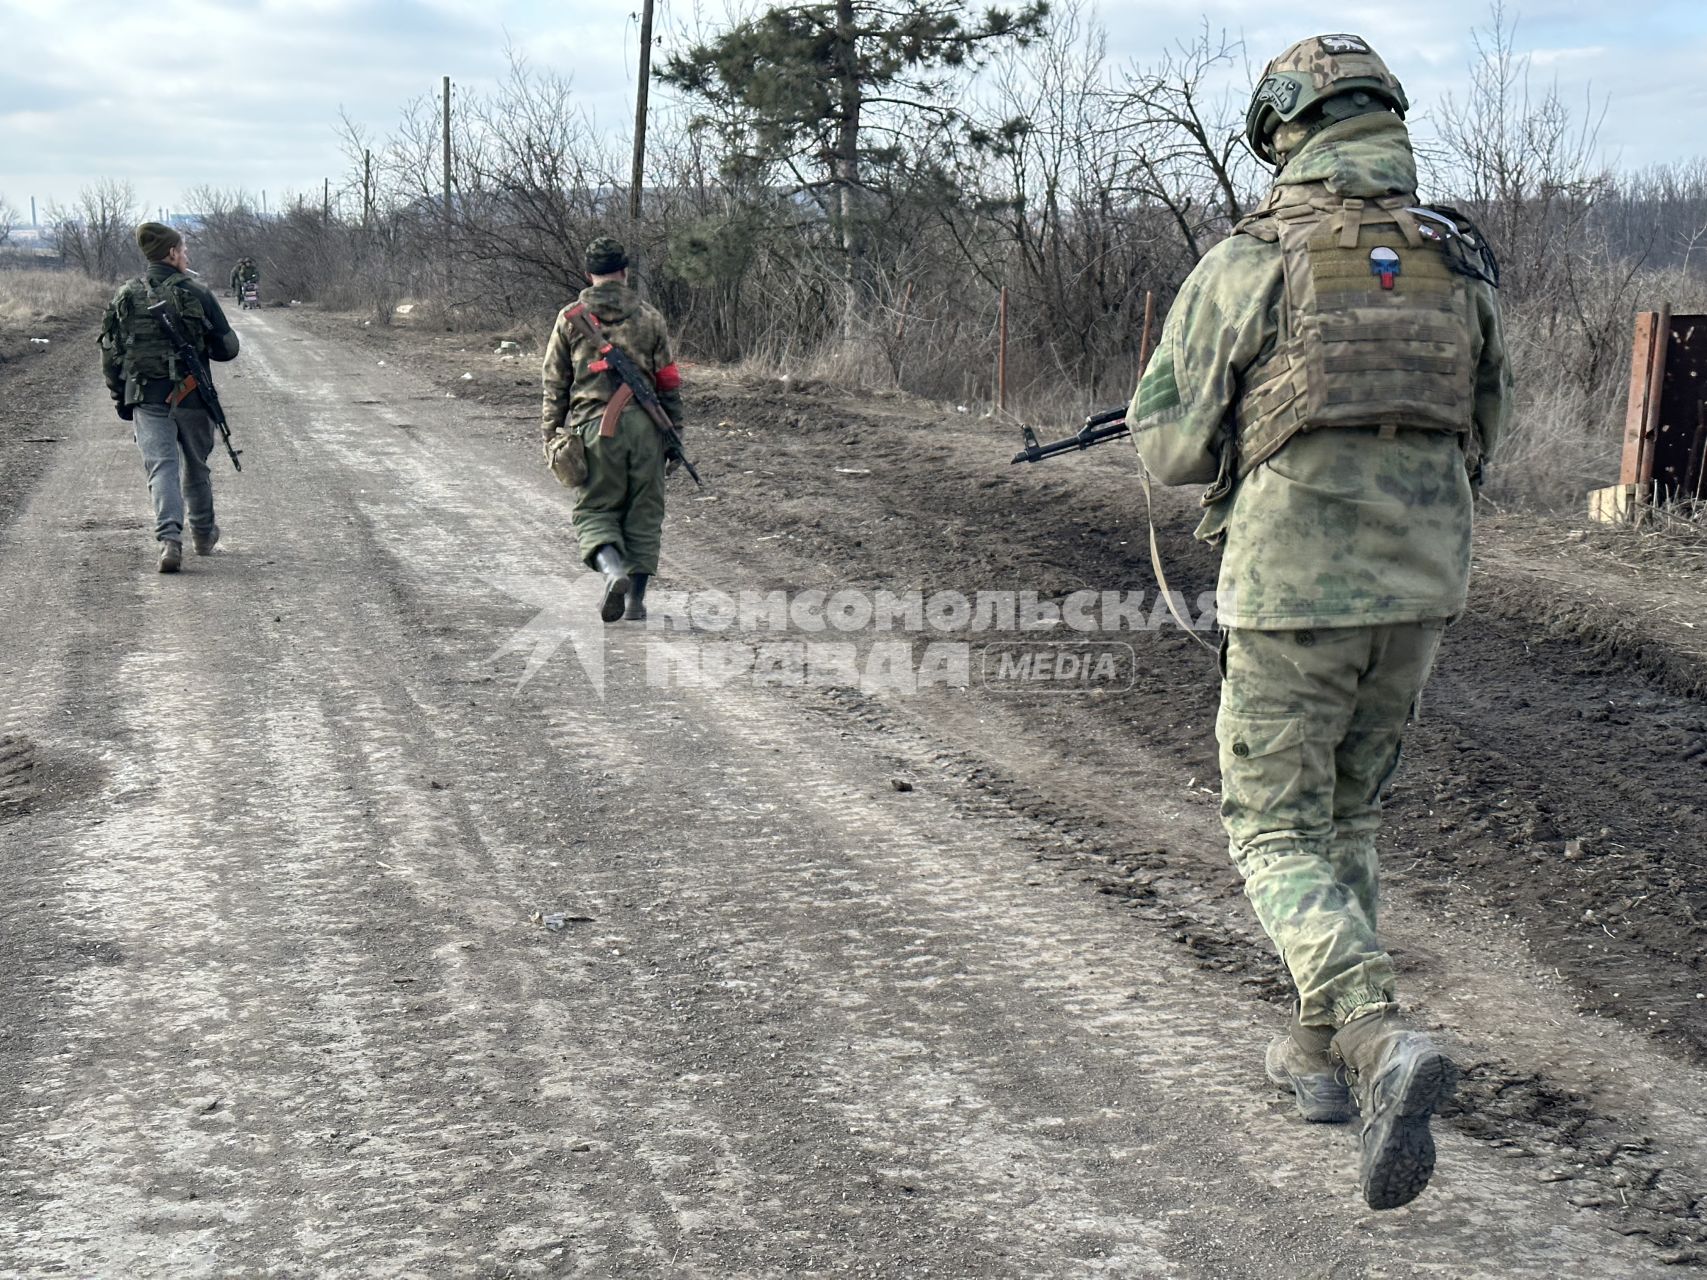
pixel 1335 372
pixel 243 273
pixel 153 393
pixel 599 440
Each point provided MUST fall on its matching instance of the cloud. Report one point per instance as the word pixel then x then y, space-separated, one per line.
pixel 247 93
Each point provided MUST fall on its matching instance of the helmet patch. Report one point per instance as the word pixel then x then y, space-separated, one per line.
pixel 1343 44
pixel 1384 263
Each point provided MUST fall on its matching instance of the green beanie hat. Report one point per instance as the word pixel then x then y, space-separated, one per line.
pixel 605 257
pixel 156 240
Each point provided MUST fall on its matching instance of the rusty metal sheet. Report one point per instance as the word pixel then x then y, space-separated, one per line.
pixel 1636 413
pixel 1665 420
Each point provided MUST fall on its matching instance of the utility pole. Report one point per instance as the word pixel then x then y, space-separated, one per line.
pixel 639 175
pixel 450 274
pixel 367 189
pixel 325 199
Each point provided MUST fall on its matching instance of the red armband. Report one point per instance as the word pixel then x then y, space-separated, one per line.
pixel 669 378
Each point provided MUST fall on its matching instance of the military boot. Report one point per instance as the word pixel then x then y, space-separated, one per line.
pixel 636 611
pixel 171 555
pixel 204 540
pixel 1399 1077
pixel 617 583
pixel 1299 1061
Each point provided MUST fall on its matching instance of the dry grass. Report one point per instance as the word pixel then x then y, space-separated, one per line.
pixel 31 298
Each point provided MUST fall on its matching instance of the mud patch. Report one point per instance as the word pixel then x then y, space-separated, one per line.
pixel 36 781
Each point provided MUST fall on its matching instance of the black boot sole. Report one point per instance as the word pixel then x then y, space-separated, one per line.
pixel 616 599
pixel 1398 1147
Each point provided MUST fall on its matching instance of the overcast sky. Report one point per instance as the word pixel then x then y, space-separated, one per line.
pixel 171 94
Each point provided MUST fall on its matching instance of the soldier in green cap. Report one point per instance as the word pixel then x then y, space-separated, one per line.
pixel 598 441
pixel 154 394
pixel 1334 371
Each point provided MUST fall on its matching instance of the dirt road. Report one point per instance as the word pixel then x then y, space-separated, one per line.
pixel 846 982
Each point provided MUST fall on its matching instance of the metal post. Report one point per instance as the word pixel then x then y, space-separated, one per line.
pixel 1002 351
pixel 450 258
pixel 638 177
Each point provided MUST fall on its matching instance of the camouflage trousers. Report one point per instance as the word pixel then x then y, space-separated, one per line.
pixel 622 503
pixel 1309 731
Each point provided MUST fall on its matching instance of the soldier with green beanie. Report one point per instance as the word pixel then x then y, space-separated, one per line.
pixel 602 443
pixel 153 393
pixel 1334 371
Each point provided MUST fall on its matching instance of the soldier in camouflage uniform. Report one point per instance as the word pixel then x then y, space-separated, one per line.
pixel 1335 372
pixel 612 455
pixel 242 274
pixel 149 389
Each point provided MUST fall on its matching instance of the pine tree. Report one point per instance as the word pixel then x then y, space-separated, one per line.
pixel 806 87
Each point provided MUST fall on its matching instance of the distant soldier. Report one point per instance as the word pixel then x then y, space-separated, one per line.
pixel 245 272
pixel 151 392
pixel 598 440
pixel 1335 372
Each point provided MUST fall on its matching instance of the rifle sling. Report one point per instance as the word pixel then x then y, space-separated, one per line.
pixel 1156 565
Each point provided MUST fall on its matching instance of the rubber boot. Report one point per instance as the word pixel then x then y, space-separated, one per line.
pixel 636 610
pixel 608 562
pixel 171 555
pixel 1399 1078
pixel 1299 1061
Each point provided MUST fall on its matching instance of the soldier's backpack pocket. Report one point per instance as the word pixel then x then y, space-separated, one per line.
pixel 566 455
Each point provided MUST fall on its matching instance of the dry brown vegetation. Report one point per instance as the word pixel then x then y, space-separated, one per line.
pixel 32 298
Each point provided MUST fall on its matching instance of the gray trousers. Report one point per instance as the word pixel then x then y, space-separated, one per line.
pixel 165 436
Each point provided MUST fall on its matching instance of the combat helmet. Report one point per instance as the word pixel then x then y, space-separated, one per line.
pixel 1313 73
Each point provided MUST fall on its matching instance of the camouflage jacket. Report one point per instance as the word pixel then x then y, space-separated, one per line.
pixel 136 356
pixel 1341 527
pixel 574 393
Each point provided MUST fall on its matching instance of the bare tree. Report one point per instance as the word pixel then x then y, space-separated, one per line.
pixel 1524 164
pixel 1184 140
pixel 8 215
pixel 95 234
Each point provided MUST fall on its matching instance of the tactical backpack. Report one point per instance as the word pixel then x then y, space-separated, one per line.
pixel 136 340
pixel 1377 320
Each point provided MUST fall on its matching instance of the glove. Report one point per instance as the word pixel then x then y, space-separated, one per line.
pixel 672 464
pixel 127 411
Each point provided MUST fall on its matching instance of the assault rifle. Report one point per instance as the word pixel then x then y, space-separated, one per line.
pixel 199 381
pixel 1110 424
pixel 618 361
